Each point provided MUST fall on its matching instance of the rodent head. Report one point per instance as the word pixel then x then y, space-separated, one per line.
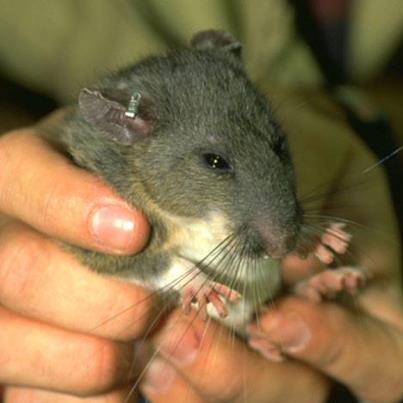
pixel 201 139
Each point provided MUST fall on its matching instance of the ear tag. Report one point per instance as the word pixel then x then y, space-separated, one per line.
pixel 133 106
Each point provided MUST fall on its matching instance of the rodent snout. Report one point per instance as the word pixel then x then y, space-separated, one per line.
pixel 272 239
pixel 279 247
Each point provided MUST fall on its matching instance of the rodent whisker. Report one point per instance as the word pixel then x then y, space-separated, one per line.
pixel 256 292
pixel 229 264
pixel 313 197
pixel 326 218
pixel 359 226
pixel 125 310
pixel 228 245
pixel 164 291
pixel 317 229
pixel 140 376
pixel 217 255
pixel 305 239
pixel 161 292
pixel 356 179
pixel 197 269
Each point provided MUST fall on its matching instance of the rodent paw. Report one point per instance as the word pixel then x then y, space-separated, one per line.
pixel 203 292
pixel 334 241
pixel 328 283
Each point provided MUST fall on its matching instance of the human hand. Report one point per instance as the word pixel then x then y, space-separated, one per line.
pixel 361 351
pixel 55 333
pixel 203 362
pixel 320 342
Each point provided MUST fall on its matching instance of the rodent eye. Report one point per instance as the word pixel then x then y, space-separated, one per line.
pixel 217 162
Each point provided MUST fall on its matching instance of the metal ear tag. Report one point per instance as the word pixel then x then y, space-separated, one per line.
pixel 133 106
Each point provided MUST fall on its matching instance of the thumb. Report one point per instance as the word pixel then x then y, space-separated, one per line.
pixel 361 352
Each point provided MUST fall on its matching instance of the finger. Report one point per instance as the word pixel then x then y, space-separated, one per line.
pixel 39 280
pixel 24 395
pixel 295 268
pixel 220 367
pixel 59 360
pixel 340 343
pixel 45 190
pixel 163 383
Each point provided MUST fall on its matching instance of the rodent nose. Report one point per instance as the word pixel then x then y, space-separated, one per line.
pixel 277 242
pixel 280 247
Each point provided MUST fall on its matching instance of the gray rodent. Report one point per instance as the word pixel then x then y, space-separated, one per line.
pixel 187 138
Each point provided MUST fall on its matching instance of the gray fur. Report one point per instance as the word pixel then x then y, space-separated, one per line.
pixel 193 100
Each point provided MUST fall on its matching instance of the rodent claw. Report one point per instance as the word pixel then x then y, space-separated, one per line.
pixel 328 283
pixel 208 292
pixel 334 241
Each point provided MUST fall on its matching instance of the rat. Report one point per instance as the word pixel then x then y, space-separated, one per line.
pixel 188 138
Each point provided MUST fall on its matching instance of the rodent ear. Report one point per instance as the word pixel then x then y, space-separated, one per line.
pixel 121 124
pixel 216 39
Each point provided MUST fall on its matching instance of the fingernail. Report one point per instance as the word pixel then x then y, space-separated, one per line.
pixel 180 344
pixel 113 227
pixel 266 348
pixel 159 377
pixel 140 356
pixel 289 331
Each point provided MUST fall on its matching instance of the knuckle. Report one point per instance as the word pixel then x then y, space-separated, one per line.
pixel 13 151
pixel 5 147
pixel 9 143
pixel 6 162
pixel 49 211
pixel 20 257
pixel 103 370
pixel 128 310
pixel 227 392
pixel 19 194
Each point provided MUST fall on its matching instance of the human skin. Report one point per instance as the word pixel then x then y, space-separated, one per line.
pixel 45 342
pixel 42 290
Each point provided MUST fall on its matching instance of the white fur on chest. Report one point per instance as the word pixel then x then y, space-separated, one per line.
pixel 263 284
pixel 195 238
pixel 208 240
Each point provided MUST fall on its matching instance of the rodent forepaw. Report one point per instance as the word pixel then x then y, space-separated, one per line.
pixel 334 241
pixel 330 282
pixel 203 292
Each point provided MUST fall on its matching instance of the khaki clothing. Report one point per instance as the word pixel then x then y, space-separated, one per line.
pixel 58 46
